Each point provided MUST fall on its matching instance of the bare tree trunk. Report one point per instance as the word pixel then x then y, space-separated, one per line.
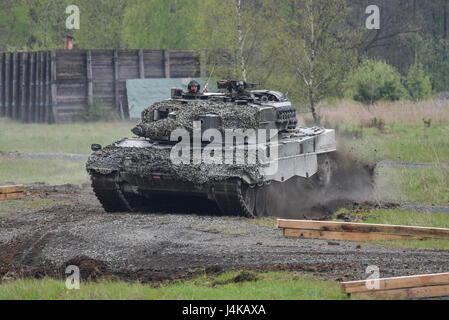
pixel 312 63
pixel 445 20
pixel 238 6
pixel 316 118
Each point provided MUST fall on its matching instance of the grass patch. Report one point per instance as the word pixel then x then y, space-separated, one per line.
pixel 402 143
pixel 27 205
pixel 269 285
pixel 423 185
pixel 406 218
pixel 54 172
pixel 73 138
pixel 415 244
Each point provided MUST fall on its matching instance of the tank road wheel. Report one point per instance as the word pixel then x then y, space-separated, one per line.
pixel 235 197
pixel 248 199
pixel 107 189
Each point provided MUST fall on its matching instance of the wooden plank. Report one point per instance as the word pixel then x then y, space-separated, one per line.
pixel 10 196
pixel 90 88
pixel 407 293
pixel 23 85
pixel 14 86
pixel 397 282
pixel 116 81
pixel 167 63
pixel 54 88
pixel 48 109
pixel 12 188
pixel 37 99
pixel 2 84
pixel 7 84
pixel 41 88
pixel 363 228
pixel 141 65
pixel 31 84
pixel 345 236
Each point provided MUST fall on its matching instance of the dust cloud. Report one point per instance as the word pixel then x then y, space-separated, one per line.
pixel 352 180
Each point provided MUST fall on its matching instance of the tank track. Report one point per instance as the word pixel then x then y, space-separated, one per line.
pixel 107 189
pixel 231 199
pixel 233 196
pixel 228 195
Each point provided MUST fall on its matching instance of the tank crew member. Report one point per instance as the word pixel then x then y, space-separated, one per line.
pixel 193 88
pixel 241 91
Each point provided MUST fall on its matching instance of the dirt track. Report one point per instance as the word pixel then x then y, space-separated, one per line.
pixel 155 246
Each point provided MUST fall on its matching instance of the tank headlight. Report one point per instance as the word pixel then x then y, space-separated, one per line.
pixel 95 147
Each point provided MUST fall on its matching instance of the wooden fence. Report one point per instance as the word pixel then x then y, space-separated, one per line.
pixel 54 86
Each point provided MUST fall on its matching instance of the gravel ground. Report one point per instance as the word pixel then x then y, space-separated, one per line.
pixel 73 224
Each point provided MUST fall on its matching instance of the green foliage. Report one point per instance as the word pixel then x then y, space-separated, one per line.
pixel 316 58
pixel 48 23
pixel 101 24
pixel 158 24
pixel 418 83
pixel 433 53
pixel 15 28
pixel 216 28
pixel 375 81
pixel 304 47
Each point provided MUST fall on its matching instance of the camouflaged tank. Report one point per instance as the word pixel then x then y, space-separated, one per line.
pixel 227 147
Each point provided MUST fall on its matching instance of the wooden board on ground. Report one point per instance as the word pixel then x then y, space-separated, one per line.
pixel 12 192
pixel 408 287
pixel 345 236
pixel 11 196
pixel 407 293
pixel 12 189
pixel 357 231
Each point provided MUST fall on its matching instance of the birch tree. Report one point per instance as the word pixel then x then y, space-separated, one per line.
pixel 241 27
pixel 317 48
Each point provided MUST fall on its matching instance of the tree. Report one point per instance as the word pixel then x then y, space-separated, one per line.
pixel 242 28
pixel 101 24
pixel 373 81
pixel 316 47
pixel 418 83
pixel 163 24
pixel 15 25
pixel 49 27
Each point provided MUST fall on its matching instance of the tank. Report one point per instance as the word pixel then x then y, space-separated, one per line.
pixel 231 147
